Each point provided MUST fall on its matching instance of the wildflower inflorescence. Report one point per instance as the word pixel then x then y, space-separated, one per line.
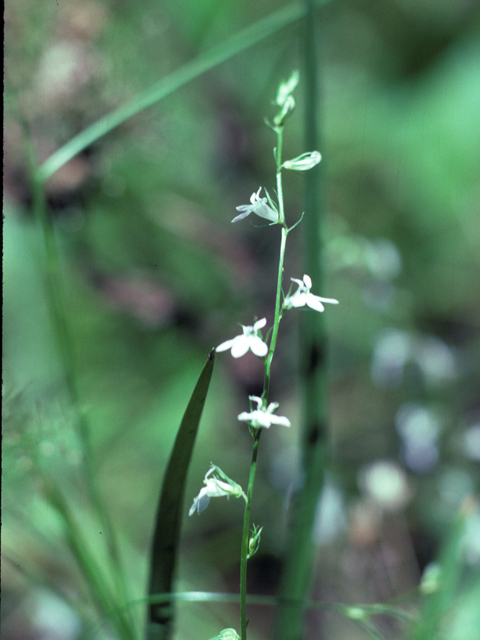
pixel 263 416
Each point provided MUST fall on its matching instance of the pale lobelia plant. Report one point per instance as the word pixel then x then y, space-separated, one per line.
pixel 263 416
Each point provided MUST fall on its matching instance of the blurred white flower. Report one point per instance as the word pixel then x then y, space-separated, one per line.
pixel 258 206
pixel 214 488
pixel 419 428
pixel 302 296
pixel 395 349
pixel 248 340
pixel 263 417
pixel 386 483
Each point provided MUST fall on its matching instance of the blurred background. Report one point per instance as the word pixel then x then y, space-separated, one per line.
pixel 154 275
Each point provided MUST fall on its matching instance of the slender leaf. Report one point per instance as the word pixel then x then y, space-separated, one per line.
pixel 439 601
pixel 169 515
pixel 237 43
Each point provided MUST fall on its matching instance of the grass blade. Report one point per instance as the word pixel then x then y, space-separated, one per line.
pixel 438 603
pixel 169 515
pixel 239 42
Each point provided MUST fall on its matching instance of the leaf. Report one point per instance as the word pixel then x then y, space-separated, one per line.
pixel 169 515
pixel 238 42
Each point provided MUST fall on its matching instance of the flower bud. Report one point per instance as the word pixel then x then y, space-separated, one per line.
pixel 254 541
pixel 285 112
pixel 286 89
pixel 304 162
pixel 227 634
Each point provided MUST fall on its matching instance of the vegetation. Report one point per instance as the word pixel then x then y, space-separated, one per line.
pixel 132 133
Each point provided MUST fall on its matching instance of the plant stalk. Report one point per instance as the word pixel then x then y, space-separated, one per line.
pixel 266 389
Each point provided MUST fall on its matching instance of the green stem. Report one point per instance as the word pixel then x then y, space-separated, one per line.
pixel 276 322
pixel 266 389
pixel 245 537
pixel 283 242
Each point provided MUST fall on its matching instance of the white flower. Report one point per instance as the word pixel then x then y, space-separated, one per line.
pixel 214 488
pixel 263 417
pixel 258 206
pixel 248 340
pixel 302 296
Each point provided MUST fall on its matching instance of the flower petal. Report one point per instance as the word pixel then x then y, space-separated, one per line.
pixel 225 345
pixel 258 346
pixel 244 214
pixel 299 299
pixel 314 303
pixel 258 400
pixel 200 502
pixel 308 281
pixel 240 346
pixel 281 420
pixel 259 324
pixel 255 196
pixel 264 211
pixel 273 406
pixel 203 502
pixel 299 282
pixel 216 488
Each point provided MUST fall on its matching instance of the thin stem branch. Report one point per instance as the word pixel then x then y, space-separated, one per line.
pixel 276 322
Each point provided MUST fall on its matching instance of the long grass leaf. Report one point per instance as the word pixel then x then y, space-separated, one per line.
pixel 103 598
pixel 239 42
pixel 438 603
pixel 169 514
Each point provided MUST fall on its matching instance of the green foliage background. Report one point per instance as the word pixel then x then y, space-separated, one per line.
pixel 154 275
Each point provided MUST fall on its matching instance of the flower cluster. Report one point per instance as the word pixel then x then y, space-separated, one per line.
pixel 262 414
